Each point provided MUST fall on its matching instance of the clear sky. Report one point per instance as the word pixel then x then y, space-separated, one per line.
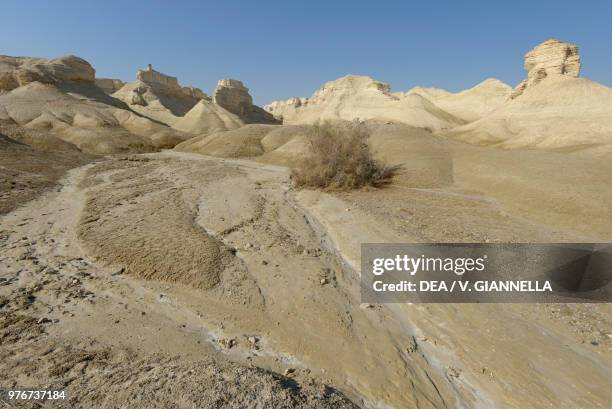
pixel 290 48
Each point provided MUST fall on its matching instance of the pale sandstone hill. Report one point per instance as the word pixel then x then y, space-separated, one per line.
pixel 362 97
pixel 555 111
pixel 59 96
pixel 19 71
pixel 159 96
pixel 470 104
pixel 237 143
pixel 234 96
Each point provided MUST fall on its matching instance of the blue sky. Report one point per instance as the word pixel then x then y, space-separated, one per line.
pixel 289 48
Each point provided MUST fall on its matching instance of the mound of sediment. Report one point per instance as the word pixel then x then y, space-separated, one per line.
pixel 360 97
pixel 181 253
pixel 553 110
pixel 241 142
pixel 558 113
pixel 470 104
pixel 207 117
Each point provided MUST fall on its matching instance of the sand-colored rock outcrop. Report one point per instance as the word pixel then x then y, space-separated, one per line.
pixel 234 96
pixel 19 71
pixel 550 58
pixel 59 97
pixel 109 85
pixel 555 110
pixel 470 104
pixel 159 96
pixel 361 97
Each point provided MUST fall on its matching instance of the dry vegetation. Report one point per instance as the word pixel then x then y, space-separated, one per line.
pixel 341 159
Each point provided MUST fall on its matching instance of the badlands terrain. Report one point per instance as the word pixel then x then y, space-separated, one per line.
pixel 156 254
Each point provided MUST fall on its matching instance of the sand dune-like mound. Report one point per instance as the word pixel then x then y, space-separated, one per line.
pixel 241 142
pixel 559 113
pixel 193 258
pixel 207 117
pixel 471 104
pixel 552 109
pixel 286 145
pixel 352 97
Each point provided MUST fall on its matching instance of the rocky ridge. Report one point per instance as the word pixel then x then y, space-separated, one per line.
pixel 234 96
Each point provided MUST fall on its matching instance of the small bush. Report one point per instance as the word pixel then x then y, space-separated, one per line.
pixel 341 159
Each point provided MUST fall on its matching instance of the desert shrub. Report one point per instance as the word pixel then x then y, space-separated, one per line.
pixel 341 159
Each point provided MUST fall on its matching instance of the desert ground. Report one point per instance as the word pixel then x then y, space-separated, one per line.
pixel 155 252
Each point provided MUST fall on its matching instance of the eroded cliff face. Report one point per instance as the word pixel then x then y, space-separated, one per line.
pixel 159 96
pixel 234 96
pixel 550 58
pixel 109 85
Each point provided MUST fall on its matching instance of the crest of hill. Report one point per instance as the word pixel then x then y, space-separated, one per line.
pixel 19 71
pixel 59 97
pixel 361 97
pixel 470 104
pixel 556 111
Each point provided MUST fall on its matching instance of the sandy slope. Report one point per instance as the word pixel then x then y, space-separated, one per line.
pixel 559 113
pixel 470 104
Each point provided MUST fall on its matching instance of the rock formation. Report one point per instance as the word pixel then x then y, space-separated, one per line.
pixel 550 58
pixel 552 109
pixel 361 97
pixel 159 96
pixel 234 96
pixel 59 97
pixel 19 71
pixel 109 85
